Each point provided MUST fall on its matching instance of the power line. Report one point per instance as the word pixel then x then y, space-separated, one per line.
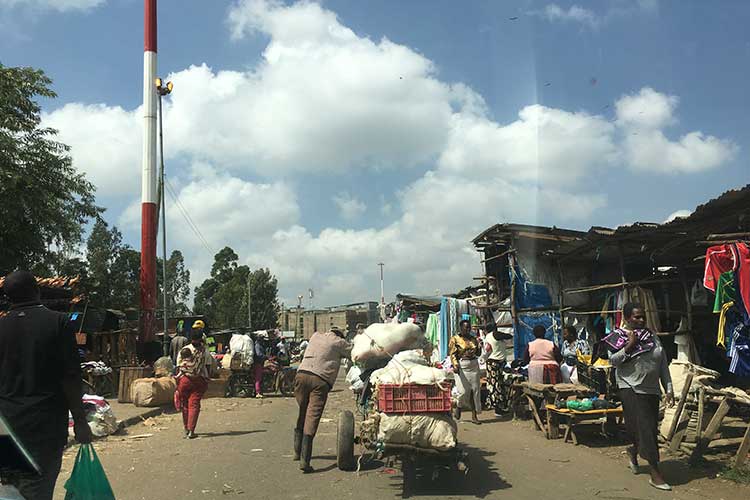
pixel 191 223
pixel 186 215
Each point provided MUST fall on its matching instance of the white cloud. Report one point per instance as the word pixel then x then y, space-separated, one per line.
pixel 647 109
pixel 325 100
pixel 543 145
pixel 576 14
pixel 679 214
pixel 349 207
pixel 642 118
pixel 554 12
pixel 58 5
pixel 105 144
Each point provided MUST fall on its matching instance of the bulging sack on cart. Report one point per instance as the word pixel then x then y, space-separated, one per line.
pixel 424 431
pixel 383 340
pixel 409 367
pixel 242 348
pixel 153 391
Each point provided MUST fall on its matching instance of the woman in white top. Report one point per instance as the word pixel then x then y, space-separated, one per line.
pixel 496 356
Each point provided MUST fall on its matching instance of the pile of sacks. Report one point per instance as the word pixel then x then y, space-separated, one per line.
pixel 407 353
pixel 240 355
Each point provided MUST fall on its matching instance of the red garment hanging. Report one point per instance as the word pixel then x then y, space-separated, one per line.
pixel 719 259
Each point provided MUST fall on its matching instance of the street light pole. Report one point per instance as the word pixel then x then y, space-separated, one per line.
pixel 249 312
pixel 299 306
pixel 162 91
pixel 382 293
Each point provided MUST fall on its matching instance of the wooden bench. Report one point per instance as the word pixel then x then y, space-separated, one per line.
pixel 571 418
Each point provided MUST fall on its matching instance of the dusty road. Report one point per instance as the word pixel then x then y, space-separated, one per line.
pixel 244 451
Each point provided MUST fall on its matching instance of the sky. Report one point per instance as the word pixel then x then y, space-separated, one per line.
pixel 320 138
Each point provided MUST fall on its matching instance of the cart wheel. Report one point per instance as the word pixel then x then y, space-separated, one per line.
pixel 229 388
pixel 345 441
pixel 409 472
pixel 286 386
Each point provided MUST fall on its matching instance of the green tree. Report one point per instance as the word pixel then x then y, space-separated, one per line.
pixel 223 297
pixel 103 249
pixel 125 278
pixel 264 304
pixel 46 203
pixel 178 284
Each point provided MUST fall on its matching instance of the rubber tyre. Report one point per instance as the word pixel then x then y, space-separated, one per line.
pixel 286 384
pixel 345 442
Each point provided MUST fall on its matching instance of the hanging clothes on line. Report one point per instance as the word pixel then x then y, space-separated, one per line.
pixel 432 329
pixel 732 257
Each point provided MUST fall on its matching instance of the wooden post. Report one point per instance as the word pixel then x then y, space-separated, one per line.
pixel 562 295
pixel 713 427
pixel 701 410
pixel 680 405
pixel 553 425
pixel 682 429
pixel 688 304
pixel 744 449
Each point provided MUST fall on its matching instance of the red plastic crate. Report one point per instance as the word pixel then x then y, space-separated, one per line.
pixel 414 398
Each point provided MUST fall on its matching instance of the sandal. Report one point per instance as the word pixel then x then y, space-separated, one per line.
pixel 663 486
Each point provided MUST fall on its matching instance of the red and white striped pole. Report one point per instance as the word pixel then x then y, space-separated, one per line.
pixel 148 186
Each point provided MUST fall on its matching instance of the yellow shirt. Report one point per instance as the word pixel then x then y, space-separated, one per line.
pixel 460 347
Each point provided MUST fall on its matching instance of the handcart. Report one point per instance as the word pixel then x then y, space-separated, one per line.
pixel 416 462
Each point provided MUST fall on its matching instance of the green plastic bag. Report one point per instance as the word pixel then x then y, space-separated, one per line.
pixel 88 480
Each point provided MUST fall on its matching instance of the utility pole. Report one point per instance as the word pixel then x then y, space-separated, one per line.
pixel 299 306
pixel 249 312
pixel 382 293
pixel 162 91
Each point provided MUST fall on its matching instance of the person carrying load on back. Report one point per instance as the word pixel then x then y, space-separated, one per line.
pixel 192 380
pixel 315 378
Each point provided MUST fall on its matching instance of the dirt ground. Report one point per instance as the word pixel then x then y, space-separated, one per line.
pixel 244 451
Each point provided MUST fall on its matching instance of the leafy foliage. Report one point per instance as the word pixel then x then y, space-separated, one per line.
pixel 223 297
pixel 46 203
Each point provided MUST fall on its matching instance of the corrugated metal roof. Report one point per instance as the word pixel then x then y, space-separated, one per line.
pixel 725 214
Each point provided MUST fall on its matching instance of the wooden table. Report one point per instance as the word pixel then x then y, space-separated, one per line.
pixel 571 418
pixel 541 394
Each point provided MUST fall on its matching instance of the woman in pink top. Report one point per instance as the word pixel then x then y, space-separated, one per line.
pixel 543 358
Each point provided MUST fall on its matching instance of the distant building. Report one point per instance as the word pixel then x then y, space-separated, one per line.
pixel 306 322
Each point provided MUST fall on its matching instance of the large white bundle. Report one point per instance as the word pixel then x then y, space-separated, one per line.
pixel 352 377
pixel 437 431
pixel 383 340
pixel 242 348
pixel 408 367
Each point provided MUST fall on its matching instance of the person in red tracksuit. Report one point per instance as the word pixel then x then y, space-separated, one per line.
pixel 192 381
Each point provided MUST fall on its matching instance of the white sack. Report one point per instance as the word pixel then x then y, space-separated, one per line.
pixel 409 367
pixel 352 378
pixel 437 431
pixel 242 346
pixel 382 340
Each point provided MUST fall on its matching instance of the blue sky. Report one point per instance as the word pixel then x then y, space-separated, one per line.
pixel 427 121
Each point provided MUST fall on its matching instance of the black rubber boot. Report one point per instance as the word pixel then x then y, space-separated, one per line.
pixel 306 454
pixel 297 443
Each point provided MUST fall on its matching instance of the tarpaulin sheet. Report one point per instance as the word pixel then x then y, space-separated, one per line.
pixel 530 295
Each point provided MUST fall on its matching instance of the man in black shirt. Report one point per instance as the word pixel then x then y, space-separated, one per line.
pixel 40 381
